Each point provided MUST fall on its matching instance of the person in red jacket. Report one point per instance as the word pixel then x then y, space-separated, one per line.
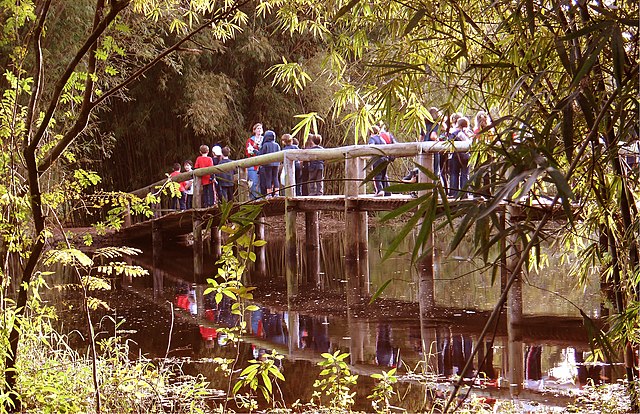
pixel 204 161
pixel 251 148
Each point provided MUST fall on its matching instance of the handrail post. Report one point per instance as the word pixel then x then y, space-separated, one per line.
pixel 127 215
pixel 197 192
pixel 243 186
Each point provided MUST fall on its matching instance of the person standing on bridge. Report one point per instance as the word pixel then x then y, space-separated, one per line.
pixel 432 132
pixel 270 184
pixel 186 188
pixel 173 204
pixel 225 180
pixel 380 180
pixel 251 148
pixel 316 169
pixel 287 144
pixel 460 160
pixel 204 161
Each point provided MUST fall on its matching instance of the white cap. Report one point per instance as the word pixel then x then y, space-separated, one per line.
pixel 217 151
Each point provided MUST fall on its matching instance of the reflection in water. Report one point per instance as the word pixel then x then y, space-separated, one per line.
pixel 388 334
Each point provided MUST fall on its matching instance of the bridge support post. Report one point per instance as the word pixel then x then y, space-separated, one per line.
pixel 198 250
pixel 363 232
pixel 243 186
pixel 127 215
pixel 261 260
pixel 216 243
pixel 514 311
pixel 356 235
pixel 426 285
pixel 312 229
pixel 156 247
pixel 291 243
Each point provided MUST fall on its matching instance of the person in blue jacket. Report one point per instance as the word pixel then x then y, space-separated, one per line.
pixel 270 184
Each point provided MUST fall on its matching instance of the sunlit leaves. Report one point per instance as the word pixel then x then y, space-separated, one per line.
pixel 333 386
pixel 308 123
pixel 260 374
pixel 289 75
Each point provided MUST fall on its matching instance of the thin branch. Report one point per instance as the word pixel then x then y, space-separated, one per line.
pixel 116 8
pixel 68 138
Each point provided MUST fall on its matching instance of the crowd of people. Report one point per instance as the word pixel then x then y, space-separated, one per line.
pixel 452 168
pixel 263 181
pixel 267 180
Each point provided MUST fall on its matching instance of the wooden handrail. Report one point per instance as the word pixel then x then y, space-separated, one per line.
pixel 405 149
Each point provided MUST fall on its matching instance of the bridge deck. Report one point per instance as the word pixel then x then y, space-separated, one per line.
pixel 178 223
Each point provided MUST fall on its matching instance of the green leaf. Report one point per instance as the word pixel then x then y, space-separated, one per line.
pixel 267 381
pixel 592 57
pixel 415 20
pixel 379 291
pixel 344 9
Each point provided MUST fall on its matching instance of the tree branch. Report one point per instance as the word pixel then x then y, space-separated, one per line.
pixel 68 138
pixel 116 8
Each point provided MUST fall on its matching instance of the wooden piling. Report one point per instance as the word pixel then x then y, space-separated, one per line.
pixel 198 250
pixel 363 231
pixel 291 251
pixel 156 243
pixel 260 266
pixel 216 243
pixel 355 237
pixel 243 186
pixel 293 323
pixel 127 216
pixel 312 227
pixel 514 311
pixel 426 284
pixel 197 192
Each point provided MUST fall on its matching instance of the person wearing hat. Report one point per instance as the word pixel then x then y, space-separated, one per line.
pixel 269 182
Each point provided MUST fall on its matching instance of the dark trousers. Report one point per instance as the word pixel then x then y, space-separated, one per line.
pixel 269 178
pixel 186 201
pixel 316 187
pixel 459 174
pixel 208 198
pixel 226 193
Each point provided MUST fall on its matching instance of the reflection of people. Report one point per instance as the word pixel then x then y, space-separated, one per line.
pixel 533 363
pixel 274 328
pixel 386 354
pixel 186 299
pixel 314 333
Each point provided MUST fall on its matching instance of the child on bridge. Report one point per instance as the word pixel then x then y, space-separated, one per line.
pixel 204 161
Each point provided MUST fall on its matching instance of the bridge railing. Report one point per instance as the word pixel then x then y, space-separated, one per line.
pixel 353 156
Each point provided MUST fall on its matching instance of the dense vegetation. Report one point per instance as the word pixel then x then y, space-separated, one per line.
pixel 128 87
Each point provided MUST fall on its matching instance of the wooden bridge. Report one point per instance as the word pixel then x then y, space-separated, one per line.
pixel 355 203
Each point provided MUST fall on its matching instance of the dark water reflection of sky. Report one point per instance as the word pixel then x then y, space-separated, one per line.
pixel 375 343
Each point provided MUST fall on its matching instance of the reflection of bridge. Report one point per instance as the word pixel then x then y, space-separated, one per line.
pixel 356 335
pixel 355 204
